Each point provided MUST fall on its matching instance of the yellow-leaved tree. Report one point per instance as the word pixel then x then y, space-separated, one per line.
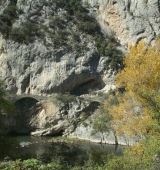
pixel 138 110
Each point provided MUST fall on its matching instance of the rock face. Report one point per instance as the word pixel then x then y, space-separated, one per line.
pixel 49 61
pixel 129 20
pixel 41 66
pixel 34 69
pixel 49 116
pixel 85 133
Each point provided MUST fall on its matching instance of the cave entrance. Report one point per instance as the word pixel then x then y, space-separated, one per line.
pixel 88 86
pixel 29 113
pixel 27 104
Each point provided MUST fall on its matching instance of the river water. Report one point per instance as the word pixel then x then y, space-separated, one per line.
pixel 32 147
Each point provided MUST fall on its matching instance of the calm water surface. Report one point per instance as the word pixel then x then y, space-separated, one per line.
pixel 32 147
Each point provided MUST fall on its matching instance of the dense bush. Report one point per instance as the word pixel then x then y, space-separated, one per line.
pixel 5 29
pixel 11 12
pixel 87 27
pixel 13 2
pixel 106 46
pixel 67 4
pixel 24 34
pixel 75 37
pixel 65 98
pixel 57 22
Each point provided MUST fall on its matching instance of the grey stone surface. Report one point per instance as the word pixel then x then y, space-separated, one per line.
pixel 34 69
pixel 129 20
pixel 41 68
pixel 85 132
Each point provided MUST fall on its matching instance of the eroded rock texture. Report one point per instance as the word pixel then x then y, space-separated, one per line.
pixel 47 59
pixel 129 20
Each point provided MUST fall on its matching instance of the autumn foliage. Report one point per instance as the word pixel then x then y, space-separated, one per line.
pixel 138 110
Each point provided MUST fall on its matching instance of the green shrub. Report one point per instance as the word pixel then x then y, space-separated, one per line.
pixel 82 16
pixel 57 22
pixel 2 2
pixel 31 164
pixel 106 46
pixel 13 2
pixel 102 123
pixel 5 30
pixel 11 12
pixel 65 98
pixel 75 37
pixel 9 15
pixel 83 116
pixel 68 17
pixel 84 124
pixel 24 34
pixel 66 3
pixel 77 47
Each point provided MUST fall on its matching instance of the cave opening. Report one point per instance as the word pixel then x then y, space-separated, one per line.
pixel 27 109
pixel 87 86
pixel 26 104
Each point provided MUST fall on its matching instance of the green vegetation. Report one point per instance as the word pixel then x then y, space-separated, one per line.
pixel 138 110
pixel 2 1
pixel 103 122
pixel 83 116
pixel 25 33
pixel 12 2
pixel 10 14
pixel 65 98
pixel 57 22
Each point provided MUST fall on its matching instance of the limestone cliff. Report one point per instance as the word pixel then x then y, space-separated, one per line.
pixel 45 52
pixel 48 46
pixel 40 56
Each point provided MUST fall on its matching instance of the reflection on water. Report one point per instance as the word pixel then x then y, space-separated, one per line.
pixel 33 139
pixel 33 147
